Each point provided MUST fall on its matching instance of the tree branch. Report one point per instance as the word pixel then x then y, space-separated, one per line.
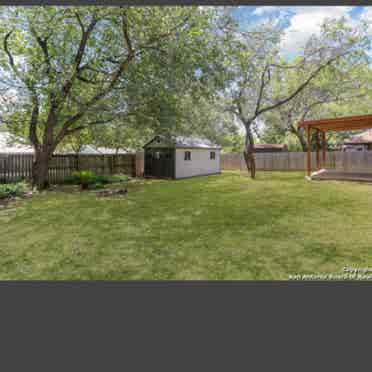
pixel 80 22
pixel 73 119
pixel 43 43
pixel 7 51
pixel 301 87
pixel 78 58
pixel 124 26
pixel 81 127
pixel 33 123
pixel 262 87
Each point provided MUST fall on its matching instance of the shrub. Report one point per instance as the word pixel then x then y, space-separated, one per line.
pixel 71 180
pixel 96 186
pixel 12 189
pixel 87 179
pixel 119 178
pixel 103 180
pixel 84 178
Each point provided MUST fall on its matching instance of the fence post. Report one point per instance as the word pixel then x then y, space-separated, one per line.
pixel 139 163
pixel 133 165
pixel 112 163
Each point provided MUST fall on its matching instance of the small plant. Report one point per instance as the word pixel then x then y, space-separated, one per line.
pixel 11 190
pixel 84 178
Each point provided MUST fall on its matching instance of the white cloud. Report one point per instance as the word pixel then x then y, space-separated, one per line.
pixel 306 21
pixel 263 10
pixel 366 16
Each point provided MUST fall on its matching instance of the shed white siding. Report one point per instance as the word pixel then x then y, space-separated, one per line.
pixel 200 163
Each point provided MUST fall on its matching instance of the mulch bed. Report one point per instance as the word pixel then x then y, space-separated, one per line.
pixel 115 192
pixel 5 201
pixel 101 193
pixel 12 199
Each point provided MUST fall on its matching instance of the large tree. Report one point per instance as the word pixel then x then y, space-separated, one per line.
pixel 337 90
pixel 71 68
pixel 258 70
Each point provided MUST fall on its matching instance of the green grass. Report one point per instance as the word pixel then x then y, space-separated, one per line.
pixel 218 227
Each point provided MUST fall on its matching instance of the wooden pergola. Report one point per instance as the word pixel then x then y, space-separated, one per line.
pixel 326 125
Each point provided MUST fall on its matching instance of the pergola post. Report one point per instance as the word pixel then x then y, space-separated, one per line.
pixel 324 148
pixel 317 150
pixel 357 122
pixel 308 150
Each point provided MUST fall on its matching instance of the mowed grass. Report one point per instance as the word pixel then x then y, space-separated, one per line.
pixel 217 227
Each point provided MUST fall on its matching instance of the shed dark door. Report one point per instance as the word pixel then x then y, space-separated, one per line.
pixel 159 163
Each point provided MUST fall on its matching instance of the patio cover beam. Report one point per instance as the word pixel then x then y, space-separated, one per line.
pixel 339 124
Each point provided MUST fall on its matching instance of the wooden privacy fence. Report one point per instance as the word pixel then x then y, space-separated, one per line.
pixel 296 161
pixel 14 167
pixel 140 163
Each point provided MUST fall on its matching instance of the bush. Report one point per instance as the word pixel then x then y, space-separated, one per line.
pixel 12 189
pixel 84 178
pixel 103 180
pixel 71 180
pixel 96 186
pixel 87 179
pixel 119 178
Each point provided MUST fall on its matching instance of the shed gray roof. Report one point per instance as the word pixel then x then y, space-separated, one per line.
pixel 187 142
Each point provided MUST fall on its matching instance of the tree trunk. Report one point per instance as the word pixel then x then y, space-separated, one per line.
pixel 40 169
pixel 249 151
pixel 300 133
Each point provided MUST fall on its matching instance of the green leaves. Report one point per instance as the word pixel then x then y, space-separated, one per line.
pixel 75 62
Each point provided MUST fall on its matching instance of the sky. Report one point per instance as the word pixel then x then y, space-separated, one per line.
pixel 300 22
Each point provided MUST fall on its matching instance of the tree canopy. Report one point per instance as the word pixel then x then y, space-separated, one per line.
pixel 115 76
pixel 72 68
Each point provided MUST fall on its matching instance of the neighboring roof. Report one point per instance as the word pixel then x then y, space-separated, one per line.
pixel 7 147
pixel 85 150
pixel 195 142
pixel 365 137
pixel 270 146
pixel 108 151
pixel 186 142
pixel 340 124
pixel 92 150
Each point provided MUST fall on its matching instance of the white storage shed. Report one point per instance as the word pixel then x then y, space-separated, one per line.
pixel 181 157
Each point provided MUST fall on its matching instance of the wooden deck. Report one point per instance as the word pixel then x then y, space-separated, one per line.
pixel 336 175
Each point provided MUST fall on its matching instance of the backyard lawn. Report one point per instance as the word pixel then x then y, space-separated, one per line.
pixel 217 227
